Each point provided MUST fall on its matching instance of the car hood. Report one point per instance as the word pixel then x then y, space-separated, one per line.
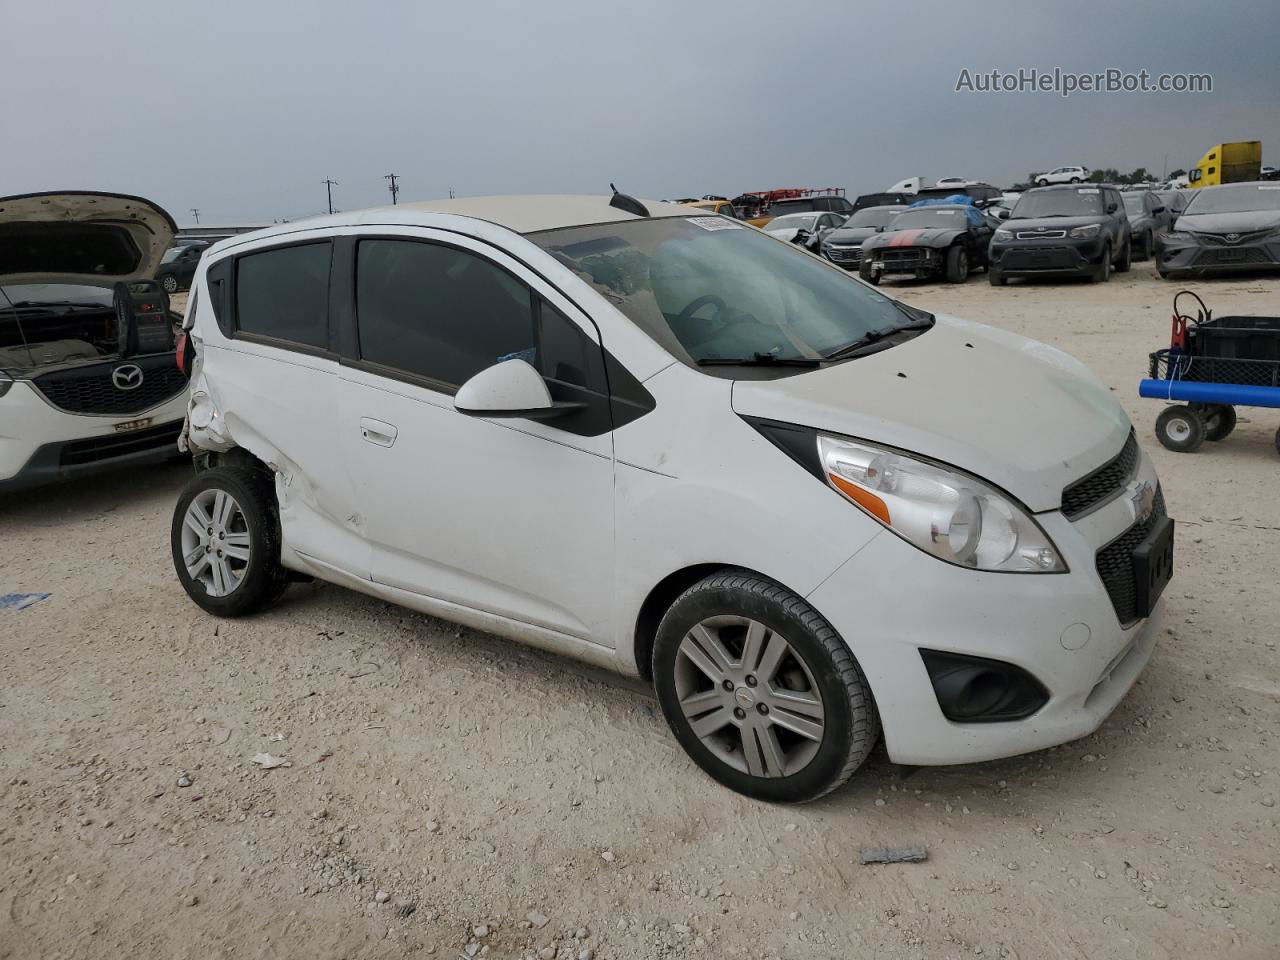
pixel 913 237
pixel 784 233
pixel 1247 222
pixel 1018 413
pixel 97 239
pixel 850 234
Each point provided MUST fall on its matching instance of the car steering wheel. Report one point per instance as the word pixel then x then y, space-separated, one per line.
pixel 695 305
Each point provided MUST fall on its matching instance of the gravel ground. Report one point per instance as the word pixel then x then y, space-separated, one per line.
pixel 449 793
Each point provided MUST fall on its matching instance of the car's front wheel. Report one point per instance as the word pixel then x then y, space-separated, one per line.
pixel 1102 272
pixel 867 274
pixel 225 539
pixel 1126 258
pixel 957 265
pixel 760 691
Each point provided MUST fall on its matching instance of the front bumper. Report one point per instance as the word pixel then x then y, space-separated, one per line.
pixel 849 257
pixel 1212 256
pixel 1061 628
pixel 905 261
pixel 1061 256
pixel 41 444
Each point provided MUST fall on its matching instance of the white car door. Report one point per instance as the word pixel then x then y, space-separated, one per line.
pixel 512 517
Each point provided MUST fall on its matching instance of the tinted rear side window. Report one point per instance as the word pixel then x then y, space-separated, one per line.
pixel 439 312
pixel 284 294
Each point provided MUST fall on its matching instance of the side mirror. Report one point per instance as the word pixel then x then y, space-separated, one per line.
pixel 509 389
pixel 1157 209
pixel 1003 213
pixel 1111 208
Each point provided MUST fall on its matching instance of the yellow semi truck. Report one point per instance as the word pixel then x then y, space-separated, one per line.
pixel 1237 162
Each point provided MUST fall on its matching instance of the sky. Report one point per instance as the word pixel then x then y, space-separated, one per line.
pixel 241 109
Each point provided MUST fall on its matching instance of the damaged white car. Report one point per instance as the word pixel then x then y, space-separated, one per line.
pixel 669 444
pixel 87 372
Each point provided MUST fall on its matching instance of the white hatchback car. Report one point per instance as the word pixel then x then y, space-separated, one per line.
pixel 87 378
pixel 674 446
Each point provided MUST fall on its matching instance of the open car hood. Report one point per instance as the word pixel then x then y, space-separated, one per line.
pixel 1033 419
pixel 80 237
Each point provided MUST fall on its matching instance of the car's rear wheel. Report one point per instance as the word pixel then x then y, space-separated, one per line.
pixel 957 267
pixel 867 274
pixel 1180 429
pixel 225 539
pixel 760 691
pixel 169 283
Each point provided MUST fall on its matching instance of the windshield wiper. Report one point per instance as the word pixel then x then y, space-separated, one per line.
pixel 762 360
pixel 872 337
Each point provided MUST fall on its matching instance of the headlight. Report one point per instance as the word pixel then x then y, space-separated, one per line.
pixel 1003 234
pixel 6 382
pixel 1086 232
pixel 955 517
pixel 1179 236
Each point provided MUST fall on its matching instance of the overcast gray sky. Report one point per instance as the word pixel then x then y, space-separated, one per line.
pixel 242 108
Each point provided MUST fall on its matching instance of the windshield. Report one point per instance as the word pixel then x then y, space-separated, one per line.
pixel 35 293
pixel 1236 198
pixel 1080 202
pixel 1132 203
pixel 949 217
pixel 873 217
pixel 706 291
pixel 793 221
pixel 791 206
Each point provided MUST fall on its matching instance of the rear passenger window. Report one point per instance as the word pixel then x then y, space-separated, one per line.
pixel 284 294
pixel 439 312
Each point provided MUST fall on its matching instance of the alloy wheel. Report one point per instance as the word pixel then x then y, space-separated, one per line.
pixel 215 541
pixel 749 697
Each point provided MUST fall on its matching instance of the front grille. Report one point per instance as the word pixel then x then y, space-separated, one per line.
pixel 1235 255
pixel 96 449
pixel 1040 234
pixel 1104 483
pixel 91 389
pixel 1115 563
pixel 1040 258
pixel 845 254
pixel 1220 239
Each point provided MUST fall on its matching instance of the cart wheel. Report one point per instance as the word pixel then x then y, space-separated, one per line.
pixel 1180 429
pixel 1219 419
pixel 1278 441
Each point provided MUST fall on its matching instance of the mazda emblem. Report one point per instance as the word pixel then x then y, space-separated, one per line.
pixel 1232 237
pixel 127 376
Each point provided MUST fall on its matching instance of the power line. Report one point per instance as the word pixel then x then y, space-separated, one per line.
pixel 195 212
pixel 395 187
pixel 328 189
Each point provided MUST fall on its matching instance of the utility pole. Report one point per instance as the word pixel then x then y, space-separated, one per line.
pixel 395 187
pixel 195 212
pixel 328 189
pixel 451 193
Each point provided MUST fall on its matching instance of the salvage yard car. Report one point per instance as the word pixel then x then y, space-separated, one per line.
pixel 813 226
pixel 1224 229
pixel 178 266
pixel 843 245
pixel 671 445
pixel 87 378
pixel 929 239
pixel 1063 231
pixel 1147 219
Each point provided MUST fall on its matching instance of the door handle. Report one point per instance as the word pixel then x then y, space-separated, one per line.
pixel 376 431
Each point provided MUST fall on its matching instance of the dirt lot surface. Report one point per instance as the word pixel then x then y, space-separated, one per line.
pixel 452 794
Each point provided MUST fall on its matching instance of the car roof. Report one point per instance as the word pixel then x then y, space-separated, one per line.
pixel 522 214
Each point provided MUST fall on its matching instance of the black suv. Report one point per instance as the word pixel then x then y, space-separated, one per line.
pixel 1066 230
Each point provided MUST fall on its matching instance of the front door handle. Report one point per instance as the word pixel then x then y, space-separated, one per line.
pixel 376 431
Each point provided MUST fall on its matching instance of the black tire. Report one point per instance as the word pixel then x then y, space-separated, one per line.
pixel 1168 274
pixel 866 273
pixel 1148 247
pixel 850 725
pixel 169 283
pixel 1180 429
pixel 995 277
pixel 261 579
pixel 1042 182
pixel 1075 179
pixel 1126 258
pixel 957 266
pixel 1102 272
pixel 1219 420
pixel 1278 441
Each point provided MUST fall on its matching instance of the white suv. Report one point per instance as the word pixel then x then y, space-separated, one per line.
pixel 1062 175
pixel 87 372
pixel 673 446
